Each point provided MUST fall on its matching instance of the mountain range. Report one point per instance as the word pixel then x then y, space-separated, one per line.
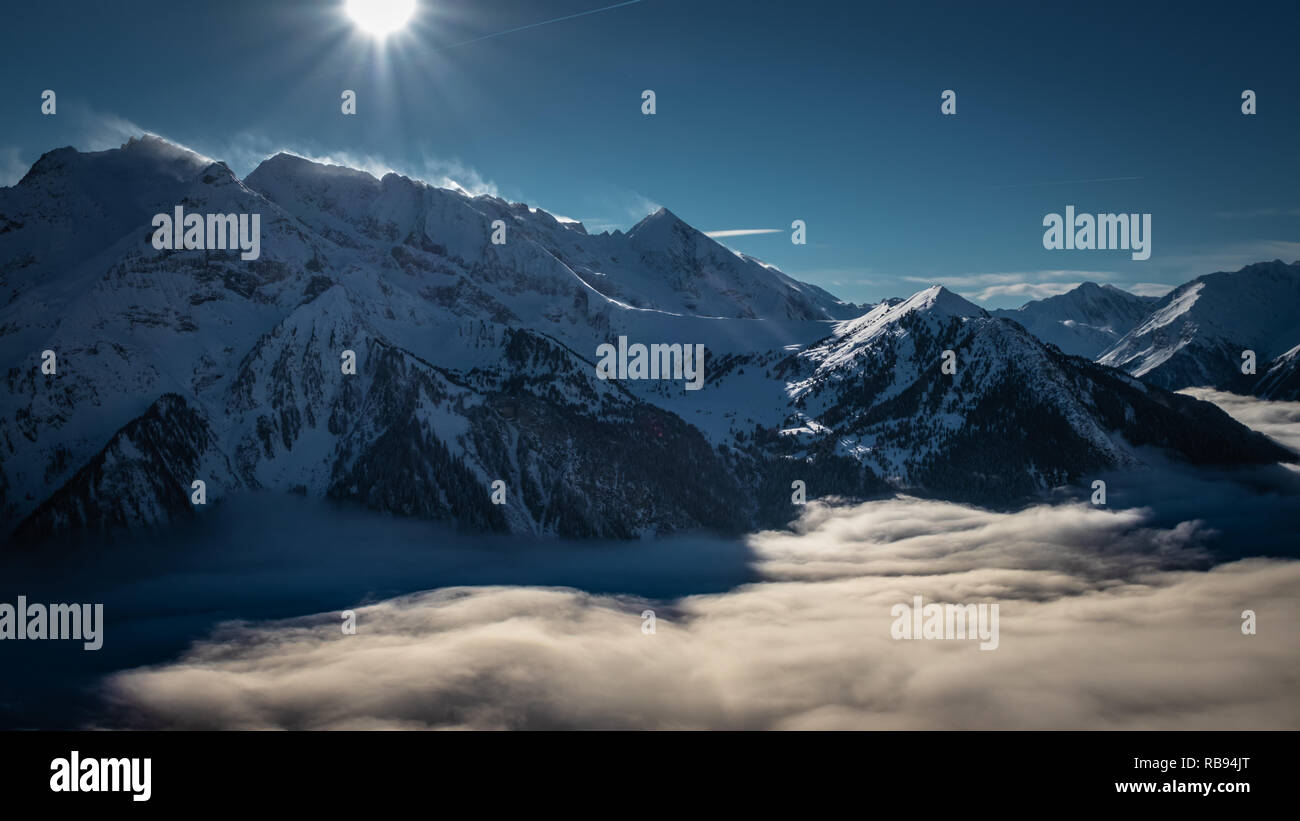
pixel 1197 334
pixel 1194 336
pixel 475 383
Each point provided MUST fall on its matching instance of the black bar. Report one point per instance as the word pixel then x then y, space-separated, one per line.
pixel 973 770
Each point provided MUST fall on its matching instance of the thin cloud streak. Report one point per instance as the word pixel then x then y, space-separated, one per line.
pixel 1258 213
pixel 741 232
pixel 1149 288
pixel 1011 277
pixel 542 23
pixel 1033 290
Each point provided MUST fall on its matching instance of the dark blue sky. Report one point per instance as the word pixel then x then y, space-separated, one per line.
pixel 767 112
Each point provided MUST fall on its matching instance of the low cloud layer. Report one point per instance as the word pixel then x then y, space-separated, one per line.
pixel 1103 626
pixel 1279 420
pixel 1150 288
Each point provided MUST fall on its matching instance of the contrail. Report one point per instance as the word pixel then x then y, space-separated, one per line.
pixel 1066 182
pixel 543 23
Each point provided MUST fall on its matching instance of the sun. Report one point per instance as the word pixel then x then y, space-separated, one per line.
pixel 380 18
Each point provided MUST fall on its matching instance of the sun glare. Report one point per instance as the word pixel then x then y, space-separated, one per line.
pixel 380 18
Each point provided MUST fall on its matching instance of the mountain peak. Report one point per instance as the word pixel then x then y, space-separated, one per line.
pixel 150 142
pixel 934 303
pixel 660 220
pixel 939 300
pixel 286 161
pixel 49 162
pixel 154 149
pixel 284 167
pixel 1083 321
pixel 137 158
pixel 664 230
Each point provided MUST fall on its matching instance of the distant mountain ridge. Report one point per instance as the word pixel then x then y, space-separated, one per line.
pixel 1084 321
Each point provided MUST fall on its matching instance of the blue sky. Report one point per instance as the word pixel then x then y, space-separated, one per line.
pixel 766 112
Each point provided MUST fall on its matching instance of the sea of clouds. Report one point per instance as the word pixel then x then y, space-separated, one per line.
pixel 1106 623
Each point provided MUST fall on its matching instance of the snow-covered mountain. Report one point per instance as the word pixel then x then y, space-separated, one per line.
pixel 475 365
pixel 1281 380
pixel 248 354
pixel 1083 321
pixel 1197 333
pixel 661 264
pixel 1016 417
